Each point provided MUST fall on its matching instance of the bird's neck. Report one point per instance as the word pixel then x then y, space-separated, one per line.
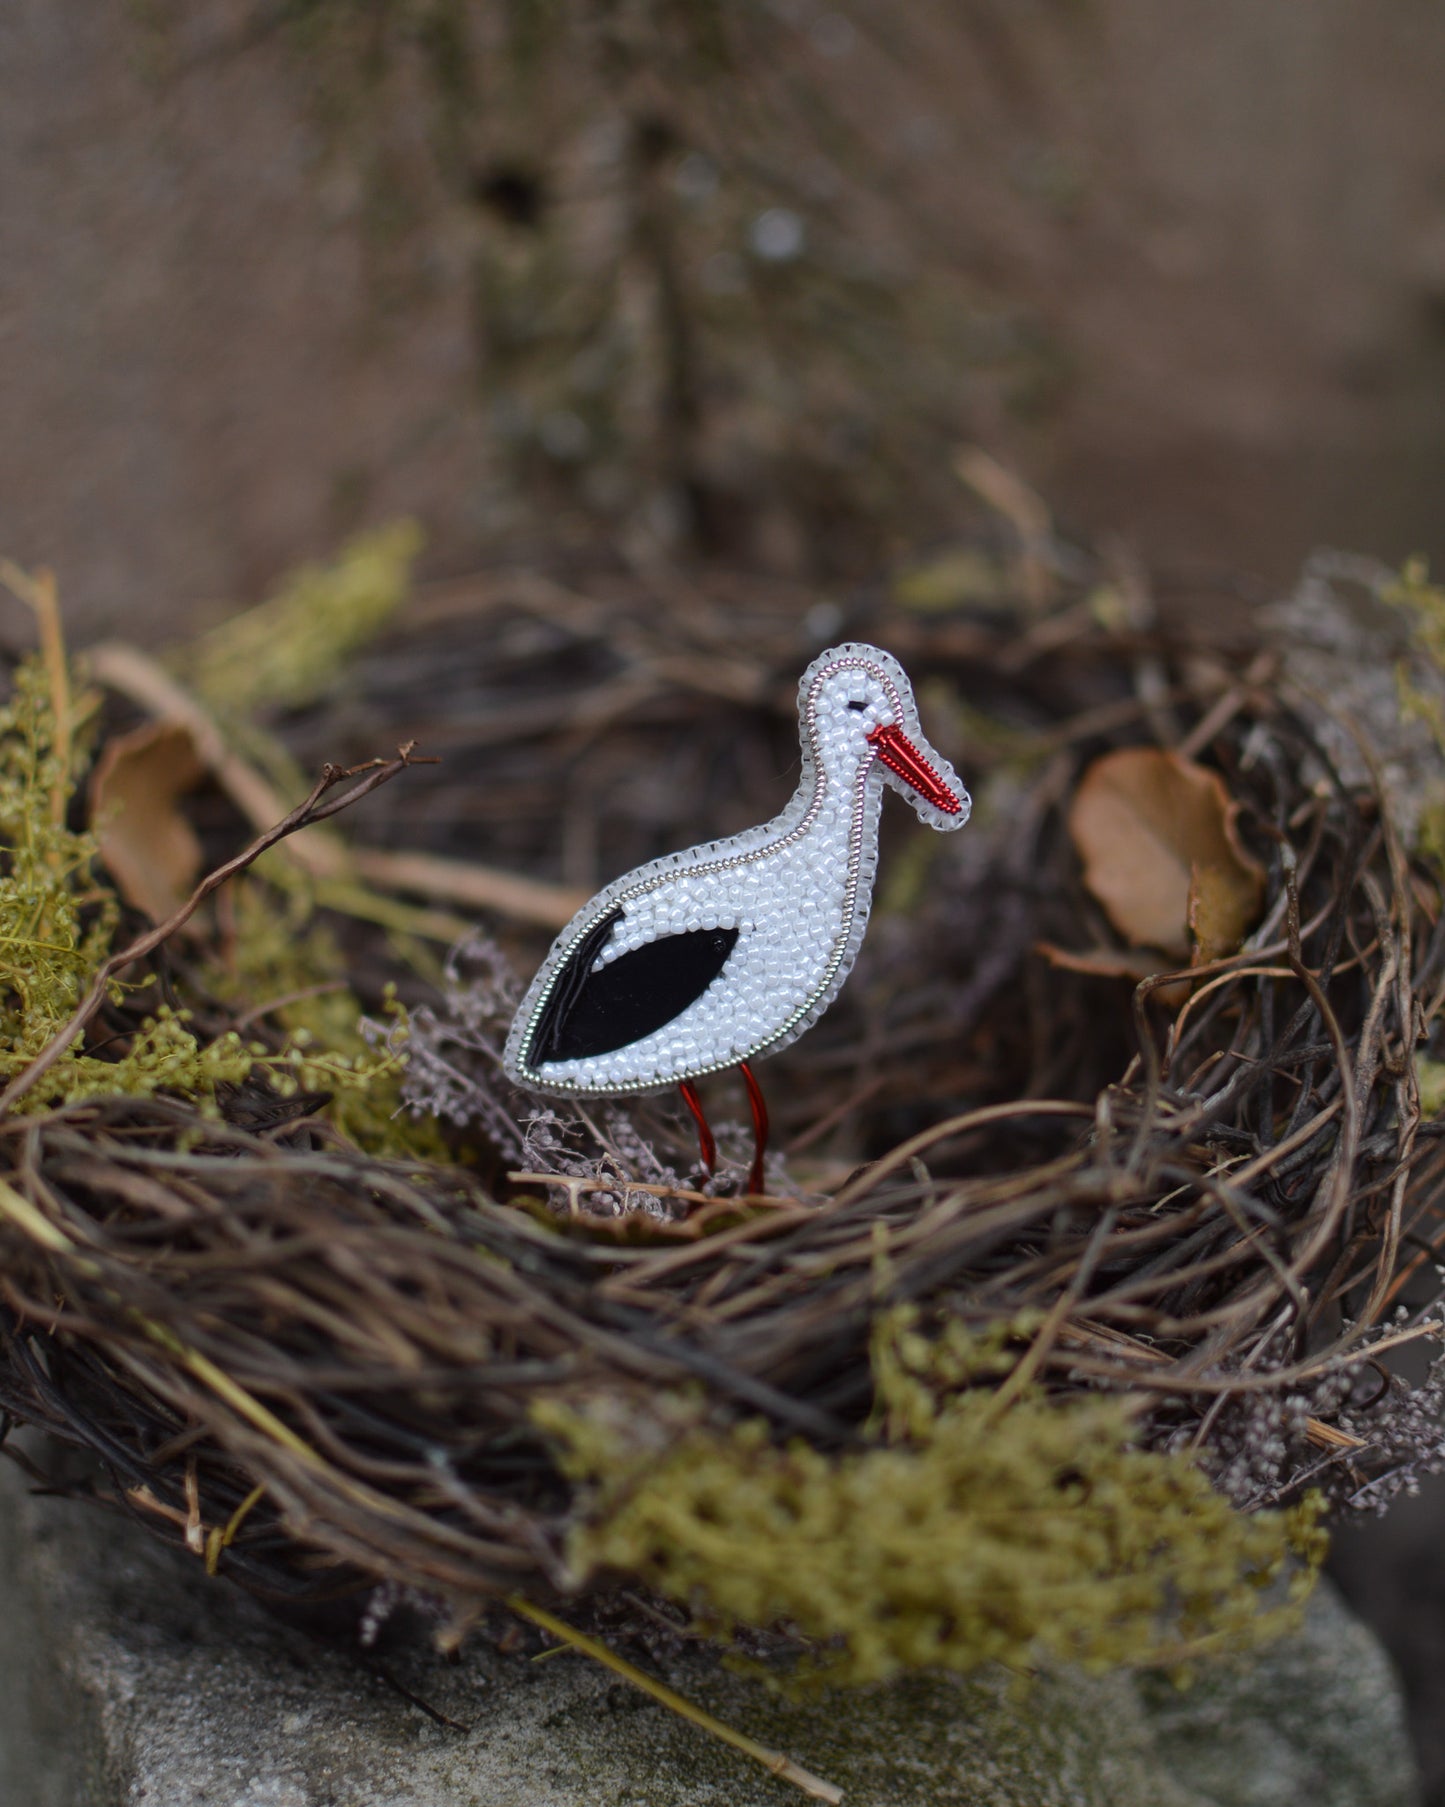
pixel 829 796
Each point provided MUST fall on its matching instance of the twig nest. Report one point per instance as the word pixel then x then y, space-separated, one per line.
pixel 1052 1339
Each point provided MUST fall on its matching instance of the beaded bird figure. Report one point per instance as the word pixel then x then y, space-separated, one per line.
pixel 717 956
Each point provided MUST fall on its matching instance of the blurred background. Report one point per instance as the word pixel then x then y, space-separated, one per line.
pixel 724 288
pixel 705 279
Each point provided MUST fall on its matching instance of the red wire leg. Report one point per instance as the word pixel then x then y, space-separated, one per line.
pixel 760 1127
pixel 705 1140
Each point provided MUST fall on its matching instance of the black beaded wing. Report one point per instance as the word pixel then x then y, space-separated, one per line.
pixel 631 997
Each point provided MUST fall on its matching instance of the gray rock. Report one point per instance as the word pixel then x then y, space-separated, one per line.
pixel 127 1678
pixel 1317 1719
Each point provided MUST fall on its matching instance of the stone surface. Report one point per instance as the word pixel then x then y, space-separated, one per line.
pixel 129 1680
pixel 1319 1719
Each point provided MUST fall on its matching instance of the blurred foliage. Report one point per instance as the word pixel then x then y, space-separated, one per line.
pixel 1423 605
pixel 286 651
pixel 704 300
pixel 963 577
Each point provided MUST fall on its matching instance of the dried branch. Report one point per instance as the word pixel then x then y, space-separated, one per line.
pixel 773 1761
pixel 132 673
pixel 319 806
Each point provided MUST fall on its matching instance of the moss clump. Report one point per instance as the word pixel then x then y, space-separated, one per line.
pixel 970 1528
pixel 57 922
pixel 55 925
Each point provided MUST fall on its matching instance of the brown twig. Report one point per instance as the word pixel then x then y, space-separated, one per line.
pixel 134 674
pixel 773 1761
pixel 318 806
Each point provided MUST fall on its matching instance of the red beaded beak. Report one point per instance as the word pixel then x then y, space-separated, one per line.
pixel 900 755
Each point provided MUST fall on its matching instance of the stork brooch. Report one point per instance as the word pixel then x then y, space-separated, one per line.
pixel 717 956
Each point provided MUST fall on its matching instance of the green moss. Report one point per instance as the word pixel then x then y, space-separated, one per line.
pixel 50 942
pixel 1423 603
pixel 961 578
pixel 1417 705
pixel 1430 1077
pixel 964 1530
pixel 57 925
pixel 58 916
pixel 280 960
pixel 286 651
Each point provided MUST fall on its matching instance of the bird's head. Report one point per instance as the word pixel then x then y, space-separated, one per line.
pixel 857 705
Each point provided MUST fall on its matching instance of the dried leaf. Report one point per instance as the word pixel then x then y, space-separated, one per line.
pixel 1430 1077
pixel 1161 852
pixel 146 843
pixel 1132 963
pixel 1221 912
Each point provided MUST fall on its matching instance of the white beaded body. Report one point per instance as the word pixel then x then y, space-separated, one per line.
pixel 795 890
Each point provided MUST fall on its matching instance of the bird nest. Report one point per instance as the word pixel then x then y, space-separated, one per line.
pixel 1073 1292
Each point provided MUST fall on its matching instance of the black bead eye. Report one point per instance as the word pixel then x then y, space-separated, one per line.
pixel 857 705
